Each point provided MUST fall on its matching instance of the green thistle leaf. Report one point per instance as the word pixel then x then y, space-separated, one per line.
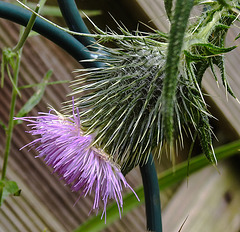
pixel 192 57
pixel 215 50
pixel 219 61
pixel 224 3
pixel 179 24
pixel 205 139
pixel 168 7
pixel 237 37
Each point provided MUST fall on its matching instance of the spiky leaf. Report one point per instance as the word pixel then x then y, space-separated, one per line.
pixel 178 27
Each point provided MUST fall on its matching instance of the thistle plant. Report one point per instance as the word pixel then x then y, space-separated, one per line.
pixel 137 103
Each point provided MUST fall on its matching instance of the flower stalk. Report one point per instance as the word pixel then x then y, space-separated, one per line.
pixel 27 30
pixel 75 23
pixel 10 127
pixel 14 58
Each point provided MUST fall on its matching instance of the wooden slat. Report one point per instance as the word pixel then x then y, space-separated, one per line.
pixel 26 213
pixel 156 13
pixel 210 201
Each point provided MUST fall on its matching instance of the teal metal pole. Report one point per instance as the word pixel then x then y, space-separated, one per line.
pixel 75 23
pixel 152 196
pixel 66 41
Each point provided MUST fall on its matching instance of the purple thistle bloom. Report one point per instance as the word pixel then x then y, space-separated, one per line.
pixel 72 156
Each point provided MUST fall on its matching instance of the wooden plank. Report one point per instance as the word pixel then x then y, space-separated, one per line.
pixel 209 202
pixel 26 213
pixel 156 13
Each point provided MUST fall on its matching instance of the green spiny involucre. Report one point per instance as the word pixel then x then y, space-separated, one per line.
pixel 122 103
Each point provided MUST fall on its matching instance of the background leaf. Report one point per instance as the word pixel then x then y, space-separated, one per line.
pixel 36 97
pixel 3 125
pixel 9 188
pixel 37 84
pixel 178 27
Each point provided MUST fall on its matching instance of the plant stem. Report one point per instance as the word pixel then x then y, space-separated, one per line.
pixel 152 196
pixel 11 121
pixel 18 51
pixel 27 30
pixel 11 115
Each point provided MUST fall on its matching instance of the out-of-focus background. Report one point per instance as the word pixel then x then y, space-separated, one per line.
pixel 209 202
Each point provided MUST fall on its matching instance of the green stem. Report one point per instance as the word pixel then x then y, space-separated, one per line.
pixel 11 115
pixel 11 121
pixel 18 50
pixel 27 30
pixel 176 41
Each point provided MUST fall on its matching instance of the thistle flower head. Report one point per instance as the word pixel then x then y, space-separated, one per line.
pixel 122 102
pixel 86 168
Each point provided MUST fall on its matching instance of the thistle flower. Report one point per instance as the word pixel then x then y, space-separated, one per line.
pixel 71 154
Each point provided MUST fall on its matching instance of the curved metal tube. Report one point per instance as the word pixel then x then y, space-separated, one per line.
pixel 66 41
pixel 75 23
pixel 152 196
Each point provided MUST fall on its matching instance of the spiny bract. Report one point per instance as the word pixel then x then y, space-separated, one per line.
pixel 121 102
